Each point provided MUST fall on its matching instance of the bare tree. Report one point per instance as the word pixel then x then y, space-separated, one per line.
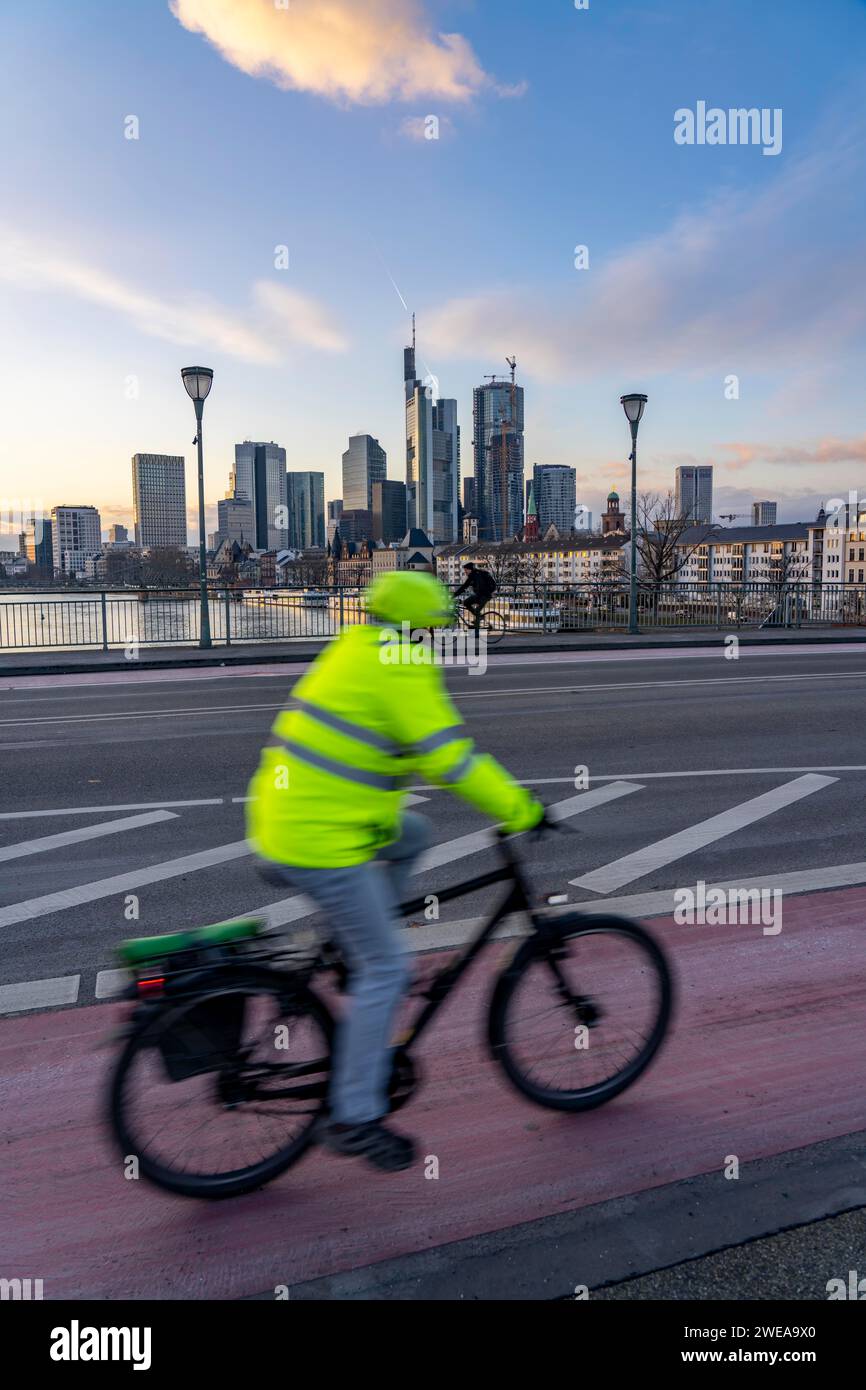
pixel 660 532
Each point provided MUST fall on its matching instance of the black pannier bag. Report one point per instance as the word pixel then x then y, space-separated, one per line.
pixel 204 1036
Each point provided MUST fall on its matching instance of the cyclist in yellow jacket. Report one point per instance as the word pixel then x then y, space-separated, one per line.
pixel 326 802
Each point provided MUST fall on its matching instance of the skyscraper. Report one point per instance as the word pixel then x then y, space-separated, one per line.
pixel 306 492
pixel 432 454
pixel 260 476
pixel 235 520
pixel 763 513
pixel 555 489
pixel 497 416
pixel 76 535
pixel 694 493
pixel 364 463
pixel 441 527
pixel 389 511
pixel 39 546
pixel 159 499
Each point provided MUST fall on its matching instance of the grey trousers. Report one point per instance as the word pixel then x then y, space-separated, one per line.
pixel 360 903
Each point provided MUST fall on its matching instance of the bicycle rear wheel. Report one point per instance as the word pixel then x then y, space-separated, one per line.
pixel 581 1011
pixel 218 1092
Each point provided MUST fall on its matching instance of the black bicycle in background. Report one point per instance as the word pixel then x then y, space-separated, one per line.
pixel 224 1070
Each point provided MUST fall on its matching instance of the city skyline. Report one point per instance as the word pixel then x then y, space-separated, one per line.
pixel 684 294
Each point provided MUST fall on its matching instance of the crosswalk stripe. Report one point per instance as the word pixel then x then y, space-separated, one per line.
pixel 286 910
pixel 39 994
pixel 655 856
pixel 86 832
pixel 120 883
pixel 482 839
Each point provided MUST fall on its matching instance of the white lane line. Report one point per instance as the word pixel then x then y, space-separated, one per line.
pixel 543 657
pixel 695 837
pixel 101 810
pixel 87 832
pixel 458 696
pixel 120 883
pixel 39 994
pixel 138 714
pixel 655 685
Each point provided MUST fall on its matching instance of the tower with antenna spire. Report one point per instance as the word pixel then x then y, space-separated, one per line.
pixel 432 453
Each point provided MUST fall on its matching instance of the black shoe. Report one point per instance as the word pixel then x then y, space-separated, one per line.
pixel 382 1147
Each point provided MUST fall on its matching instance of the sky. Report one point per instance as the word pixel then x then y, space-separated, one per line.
pixel 258 125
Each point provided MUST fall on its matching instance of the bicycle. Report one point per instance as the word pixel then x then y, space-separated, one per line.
pixel 216 1006
pixel 492 623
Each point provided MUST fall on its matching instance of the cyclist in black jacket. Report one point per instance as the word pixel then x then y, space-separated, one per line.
pixel 481 586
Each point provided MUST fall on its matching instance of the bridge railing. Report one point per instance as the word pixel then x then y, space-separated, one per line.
pixel 106 619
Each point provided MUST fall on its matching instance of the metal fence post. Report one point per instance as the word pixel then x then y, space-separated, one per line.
pixel 228 619
pixel 104 608
pixel 342 619
pixel 544 607
pixel 718 607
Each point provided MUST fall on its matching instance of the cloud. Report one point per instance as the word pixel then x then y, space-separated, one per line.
pixel 745 283
pixel 301 318
pixel 826 452
pixel 349 51
pixel 279 318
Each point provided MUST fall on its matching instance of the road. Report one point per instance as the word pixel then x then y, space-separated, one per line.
pixel 746 771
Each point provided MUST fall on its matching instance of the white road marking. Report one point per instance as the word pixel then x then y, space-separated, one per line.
pixel 657 685
pixel 101 810
pixel 457 696
pixel 543 657
pixel 87 832
pixel 286 910
pixel 111 983
pixel 444 934
pixel 695 837
pixel 39 994
pixel 138 714
pixel 120 883
pixel 483 839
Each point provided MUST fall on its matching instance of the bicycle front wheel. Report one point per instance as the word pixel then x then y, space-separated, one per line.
pixel 493 625
pixel 581 1011
pixel 215 1094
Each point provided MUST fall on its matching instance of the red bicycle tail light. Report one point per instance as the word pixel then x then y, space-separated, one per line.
pixel 154 985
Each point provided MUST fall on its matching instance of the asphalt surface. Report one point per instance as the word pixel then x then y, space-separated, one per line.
pixel 693 733
pixel 699 768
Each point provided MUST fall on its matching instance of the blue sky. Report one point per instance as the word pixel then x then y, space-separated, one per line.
pixel 123 260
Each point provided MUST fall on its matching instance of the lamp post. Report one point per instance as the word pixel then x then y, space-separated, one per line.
pixel 197 381
pixel 633 405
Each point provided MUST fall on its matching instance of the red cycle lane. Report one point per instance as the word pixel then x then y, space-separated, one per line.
pixel 768 1053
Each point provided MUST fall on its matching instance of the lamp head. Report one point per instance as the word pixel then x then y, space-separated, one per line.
pixel 633 405
pixel 197 381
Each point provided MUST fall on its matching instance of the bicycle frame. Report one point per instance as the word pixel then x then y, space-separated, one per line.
pixel 515 900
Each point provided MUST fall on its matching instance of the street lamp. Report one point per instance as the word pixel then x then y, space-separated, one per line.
pixel 197 381
pixel 633 405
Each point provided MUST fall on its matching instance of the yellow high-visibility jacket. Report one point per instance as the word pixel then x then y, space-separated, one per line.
pixel 369 716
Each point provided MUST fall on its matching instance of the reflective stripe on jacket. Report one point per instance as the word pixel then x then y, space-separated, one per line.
pixel 330 783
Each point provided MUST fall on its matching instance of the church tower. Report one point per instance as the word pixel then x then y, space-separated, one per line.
pixel 613 520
